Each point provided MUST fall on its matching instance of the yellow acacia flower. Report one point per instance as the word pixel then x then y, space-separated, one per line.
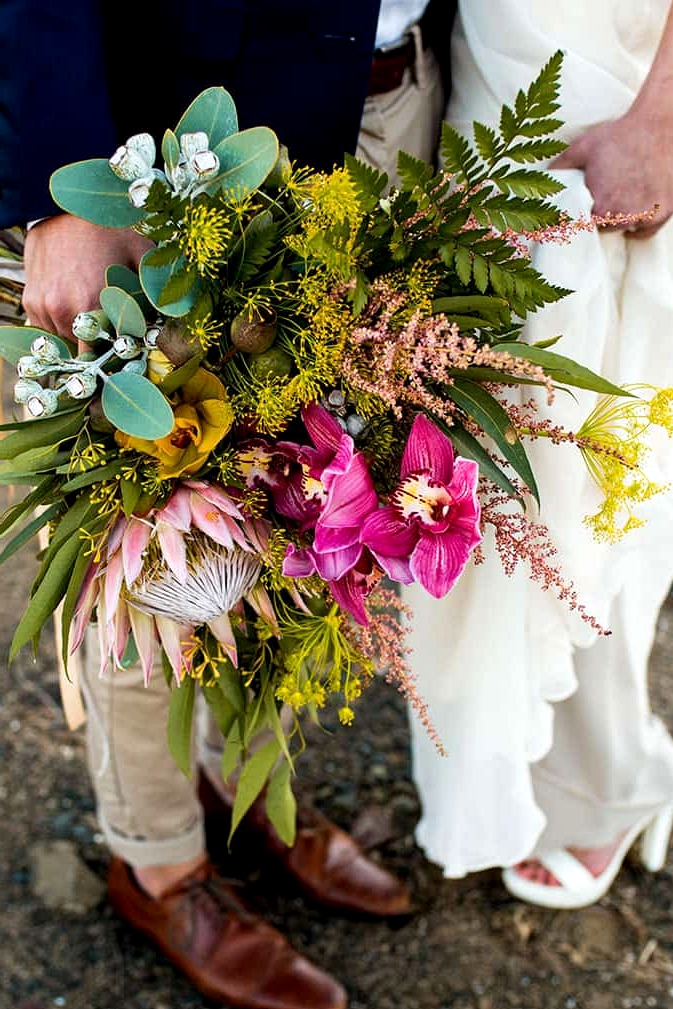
pixel 202 415
pixel 614 446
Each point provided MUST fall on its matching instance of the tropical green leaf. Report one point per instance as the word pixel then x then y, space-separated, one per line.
pixel 47 596
pixel 213 112
pixel 15 342
pixel 131 493
pixel 281 806
pixel 495 311
pixel 97 474
pixel 466 445
pixel 45 491
pixel 32 462
pixel 91 190
pixel 527 183
pixel 135 406
pixel 222 711
pixel 123 312
pixel 38 433
pixel 253 248
pixel 180 723
pixel 174 379
pixel 493 419
pixel 79 570
pixel 563 369
pixel 413 171
pixel 29 530
pixel 369 182
pixel 233 749
pixel 246 158
pixel 254 775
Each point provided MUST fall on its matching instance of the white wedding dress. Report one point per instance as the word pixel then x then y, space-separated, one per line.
pixel 495 657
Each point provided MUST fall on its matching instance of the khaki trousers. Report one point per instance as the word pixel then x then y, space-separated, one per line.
pixel 147 809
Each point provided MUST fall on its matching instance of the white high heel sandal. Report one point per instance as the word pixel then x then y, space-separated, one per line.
pixel 577 886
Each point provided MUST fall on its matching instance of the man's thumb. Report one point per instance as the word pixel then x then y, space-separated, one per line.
pixel 574 156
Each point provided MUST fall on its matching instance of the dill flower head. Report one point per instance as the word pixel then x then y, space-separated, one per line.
pixel 614 444
pixel 205 236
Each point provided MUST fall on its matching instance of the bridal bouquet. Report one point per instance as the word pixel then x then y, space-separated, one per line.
pixel 301 400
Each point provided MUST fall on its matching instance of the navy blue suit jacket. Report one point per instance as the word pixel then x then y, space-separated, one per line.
pixel 80 76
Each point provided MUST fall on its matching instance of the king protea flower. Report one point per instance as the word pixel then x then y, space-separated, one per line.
pixel 431 525
pixel 182 566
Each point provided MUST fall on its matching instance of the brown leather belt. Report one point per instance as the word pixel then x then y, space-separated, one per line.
pixel 388 66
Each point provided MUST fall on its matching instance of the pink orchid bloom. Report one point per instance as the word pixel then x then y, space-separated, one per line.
pixel 431 525
pixel 349 590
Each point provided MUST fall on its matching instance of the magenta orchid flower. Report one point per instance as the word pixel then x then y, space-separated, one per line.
pixel 431 525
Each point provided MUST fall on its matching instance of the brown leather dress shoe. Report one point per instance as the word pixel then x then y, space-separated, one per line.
pixel 228 953
pixel 325 862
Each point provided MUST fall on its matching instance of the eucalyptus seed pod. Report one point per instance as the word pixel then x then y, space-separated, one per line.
pixel 151 336
pixel 139 190
pixel 128 164
pixel 25 388
pixel 356 425
pixel 205 165
pixel 192 143
pixel 90 326
pixel 271 363
pixel 255 334
pixel 126 347
pixel 143 145
pixel 29 367
pixel 45 350
pixel 177 344
pixel 42 403
pixel 82 385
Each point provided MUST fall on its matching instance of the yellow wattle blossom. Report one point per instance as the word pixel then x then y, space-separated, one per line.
pixel 202 415
pixel 205 236
pixel 614 444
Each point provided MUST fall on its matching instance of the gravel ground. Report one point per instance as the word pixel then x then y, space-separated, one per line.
pixel 468 946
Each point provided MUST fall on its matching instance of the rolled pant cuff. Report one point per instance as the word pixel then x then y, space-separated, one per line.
pixel 142 852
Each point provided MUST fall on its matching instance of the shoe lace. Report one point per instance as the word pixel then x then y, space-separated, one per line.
pixel 210 898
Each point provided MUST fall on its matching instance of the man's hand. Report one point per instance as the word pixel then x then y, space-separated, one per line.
pixel 65 260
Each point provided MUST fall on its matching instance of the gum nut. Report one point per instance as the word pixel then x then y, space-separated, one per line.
pixel 253 336
pixel 143 144
pixel 30 367
pixel 90 326
pixel 336 398
pixel 81 386
pixel 151 336
pixel 43 403
pixel 205 164
pixel 192 143
pixel 139 192
pixel 45 350
pixel 25 388
pixel 178 346
pixel 126 347
pixel 271 363
pixel 127 164
pixel 355 425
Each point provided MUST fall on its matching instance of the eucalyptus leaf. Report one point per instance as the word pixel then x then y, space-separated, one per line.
pixel 180 723
pixel 136 407
pixel 246 158
pixel 39 433
pixel 233 748
pixel 129 281
pixel 45 491
pixel 170 150
pixel 92 191
pixel 123 312
pixel 15 342
pixel 214 112
pixel 154 280
pixel 26 534
pixel 222 711
pixel 79 570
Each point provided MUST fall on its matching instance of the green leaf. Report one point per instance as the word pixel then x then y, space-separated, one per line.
pixel 91 190
pixel 15 342
pixel 47 596
pixel 486 141
pixel 563 369
pixel 369 182
pixel 80 514
pixel 463 263
pixel 38 433
pixel 79 570
pixel 246 158
pixel 253 248
pixel 213 112
pixel 233 748
pixel 495 310
pixel 129 281
pixel 164 255
pixel 180 722
pixel 32 462
pixel 253 777
pixel 45 491
pixel 131 493
pixel 466 445
pixel 156 280
pixel 29 530
pixel 123 312
pixel 413 171
pixel 222 711
pixel 135 406
pixel 174 379
pixel 94 475
pixel 281 806
pixel 493 419
pixel 457 155
pixel 170 150
pixel 525 182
